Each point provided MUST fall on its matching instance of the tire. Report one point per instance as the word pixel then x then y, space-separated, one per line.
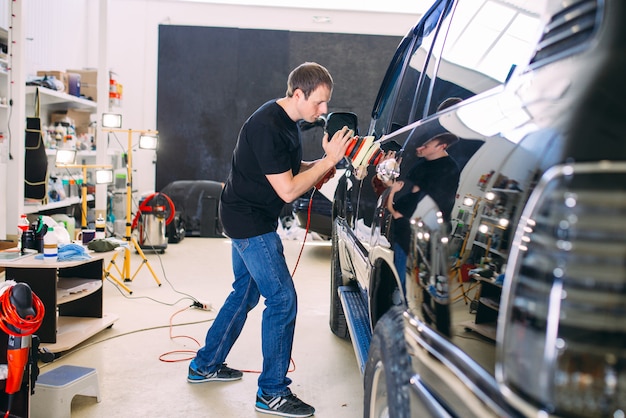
pixel 388 370
pixel 337 319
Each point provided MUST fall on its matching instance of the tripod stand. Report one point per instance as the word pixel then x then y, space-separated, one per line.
pixel 124 274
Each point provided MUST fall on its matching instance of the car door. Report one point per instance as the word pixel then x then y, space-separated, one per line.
pixel 395 103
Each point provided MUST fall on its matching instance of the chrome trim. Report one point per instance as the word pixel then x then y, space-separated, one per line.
pixel 550 175
pixel 433 407
pixel 464 367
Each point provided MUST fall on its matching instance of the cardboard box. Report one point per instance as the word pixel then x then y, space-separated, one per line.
pixel 81 118
pixel 88 83
pixel 59 75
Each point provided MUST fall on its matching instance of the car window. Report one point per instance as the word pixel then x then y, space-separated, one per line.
pixel 458 50
pixel 483 44
pixel 396 100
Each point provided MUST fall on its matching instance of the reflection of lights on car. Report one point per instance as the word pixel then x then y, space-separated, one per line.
pixel 570 200
pixel 490 195
pixel 503 222
pixel 468 201
pixel 483 228
pixel 423 236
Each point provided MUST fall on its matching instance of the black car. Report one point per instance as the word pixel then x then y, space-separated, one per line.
pixel 514 301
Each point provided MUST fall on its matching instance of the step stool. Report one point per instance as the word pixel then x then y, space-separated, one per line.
pixel 54 390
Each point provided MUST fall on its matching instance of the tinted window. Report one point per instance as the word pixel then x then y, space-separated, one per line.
pixel 396 100
pixel 483 44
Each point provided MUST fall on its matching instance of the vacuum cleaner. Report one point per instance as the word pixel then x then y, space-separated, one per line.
pixel 156 211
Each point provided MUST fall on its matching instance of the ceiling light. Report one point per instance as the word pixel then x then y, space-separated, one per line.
pixel 322 19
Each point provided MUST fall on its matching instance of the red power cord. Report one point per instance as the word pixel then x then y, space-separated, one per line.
pixel 306 232
pixel 9 316
pixel 191 354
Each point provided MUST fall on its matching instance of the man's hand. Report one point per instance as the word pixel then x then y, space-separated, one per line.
pixel 395 187
pixel 335 149
pixel 290 187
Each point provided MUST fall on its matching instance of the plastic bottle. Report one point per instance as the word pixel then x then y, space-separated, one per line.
pixel 50 246
pixel 65 181
pixel 100 227
pixel 22 226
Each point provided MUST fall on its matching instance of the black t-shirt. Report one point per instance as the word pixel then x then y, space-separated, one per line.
pixel 437 178
pixel 268 143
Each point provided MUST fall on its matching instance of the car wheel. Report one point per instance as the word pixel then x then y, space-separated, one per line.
pixel 338 323
pixel 387 371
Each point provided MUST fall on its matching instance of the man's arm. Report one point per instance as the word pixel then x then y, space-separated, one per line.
pixel 290 187
pixel 394 188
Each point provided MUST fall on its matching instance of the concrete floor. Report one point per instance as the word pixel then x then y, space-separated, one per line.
pixel 142 359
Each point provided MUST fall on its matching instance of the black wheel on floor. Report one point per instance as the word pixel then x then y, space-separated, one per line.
pixel 388 370
pixel 338 323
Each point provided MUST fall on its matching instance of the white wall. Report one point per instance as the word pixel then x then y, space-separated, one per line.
pixel 64 34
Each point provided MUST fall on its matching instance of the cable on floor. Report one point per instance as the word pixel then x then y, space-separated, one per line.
pixel 164 357
pixel 186 295
pixel 113 337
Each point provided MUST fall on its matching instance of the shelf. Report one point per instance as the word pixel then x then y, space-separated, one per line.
pixel 30 208
pixel 505 190
pixel 74 330
pixel 491 250
pixel 70 289
pixel 494 221
pixel 51 152
pixel 490 303
pixel 486 330
pixel 55 100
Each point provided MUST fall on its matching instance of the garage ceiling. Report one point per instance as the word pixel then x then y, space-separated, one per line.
pixel 390 6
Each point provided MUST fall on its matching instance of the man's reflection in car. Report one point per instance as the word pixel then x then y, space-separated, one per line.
pixel 435 174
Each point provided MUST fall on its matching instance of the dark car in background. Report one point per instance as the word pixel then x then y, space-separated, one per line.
pixel 514 306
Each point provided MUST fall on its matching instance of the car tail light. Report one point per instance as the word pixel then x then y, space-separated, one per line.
pixel 562 330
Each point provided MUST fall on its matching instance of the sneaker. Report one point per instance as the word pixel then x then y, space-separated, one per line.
pixel 223 374
pixel 284 406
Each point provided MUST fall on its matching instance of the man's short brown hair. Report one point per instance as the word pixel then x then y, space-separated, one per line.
pixel 307 77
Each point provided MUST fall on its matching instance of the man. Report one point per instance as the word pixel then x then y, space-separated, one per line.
pixel 435 174
pixel 266 172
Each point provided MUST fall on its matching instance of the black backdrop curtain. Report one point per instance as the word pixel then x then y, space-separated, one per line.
pixel 210 79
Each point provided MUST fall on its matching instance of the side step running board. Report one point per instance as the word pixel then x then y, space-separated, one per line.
pixel 357 317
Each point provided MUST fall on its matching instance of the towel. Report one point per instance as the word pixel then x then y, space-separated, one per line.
pixel 72 252
pixel 69 252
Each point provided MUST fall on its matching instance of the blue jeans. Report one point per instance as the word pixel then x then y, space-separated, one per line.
pixel 399 260
pixel 260 269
